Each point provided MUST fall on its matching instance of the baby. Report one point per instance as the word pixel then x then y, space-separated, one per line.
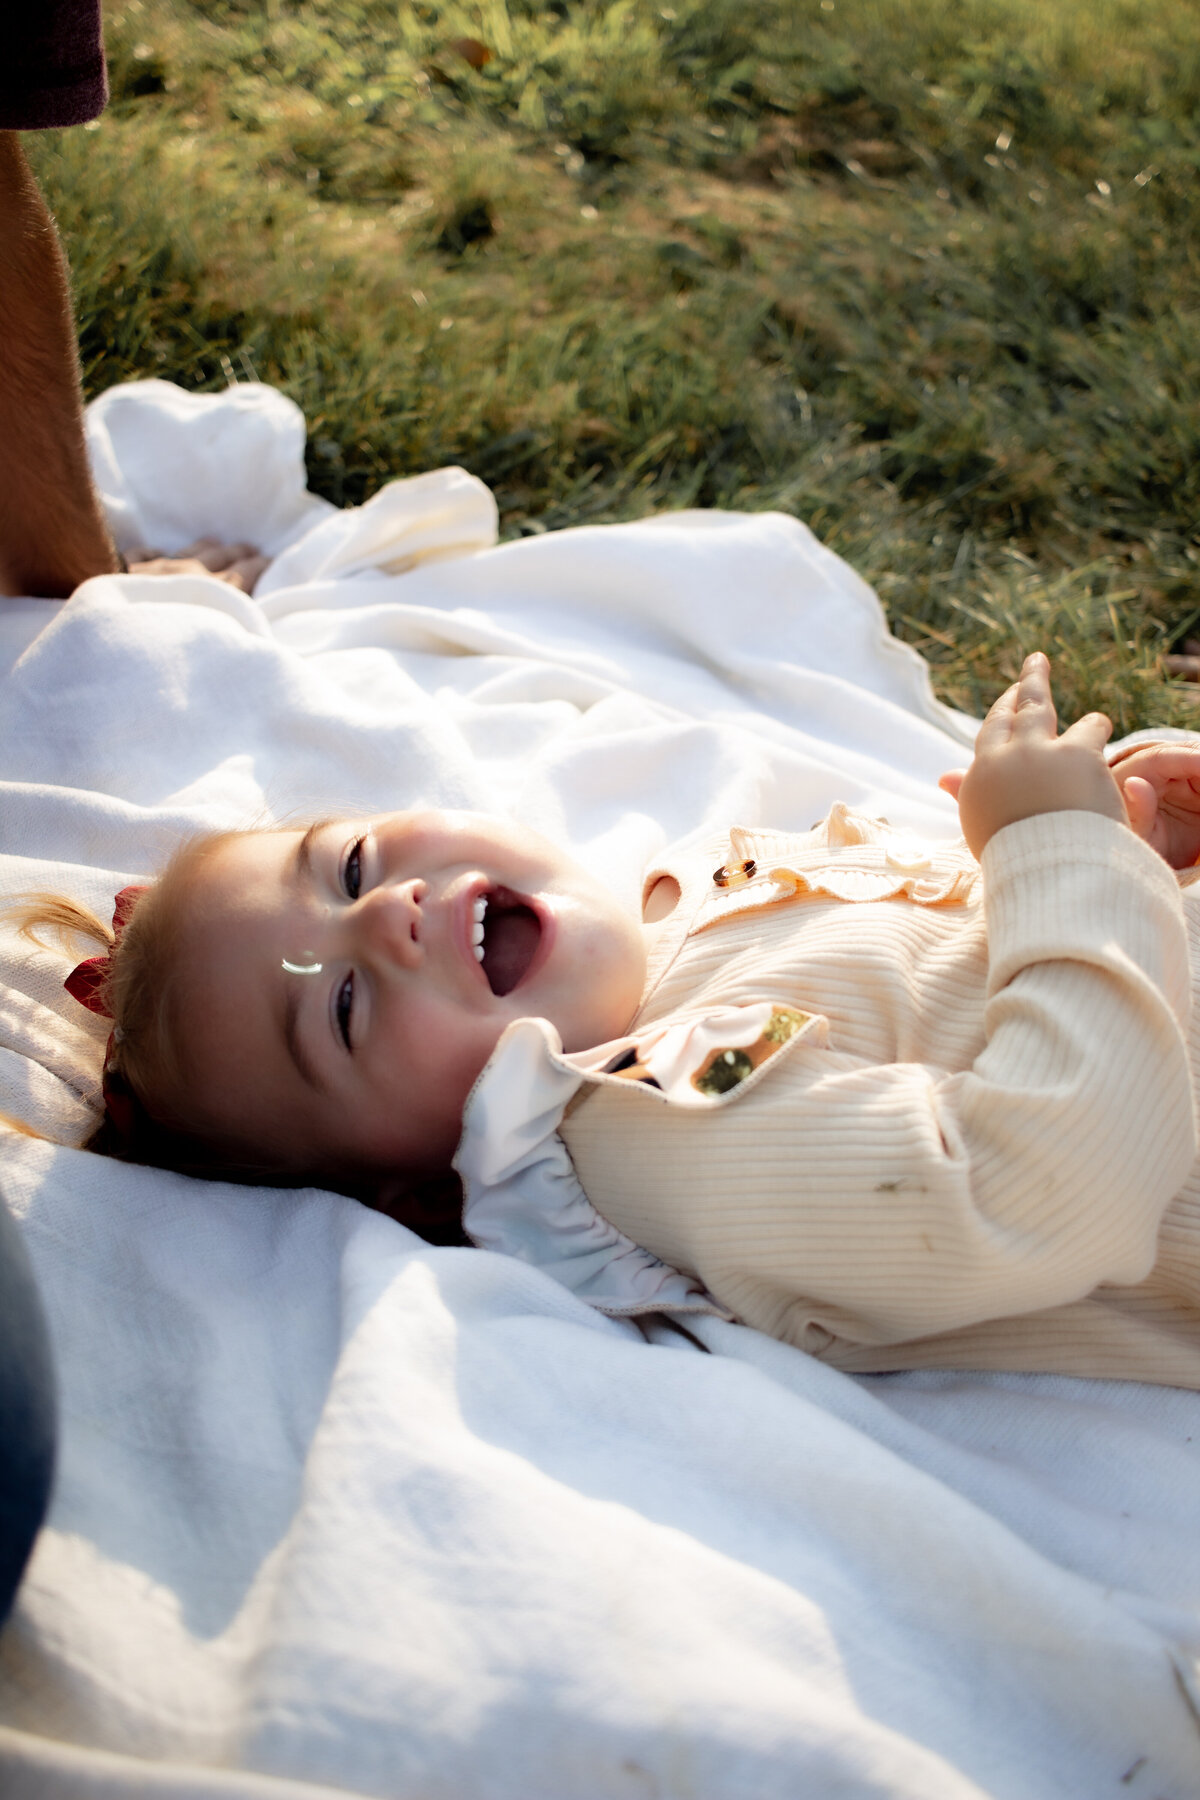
pixel 846 1096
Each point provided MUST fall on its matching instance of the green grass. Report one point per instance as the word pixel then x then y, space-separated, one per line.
pixel 925 278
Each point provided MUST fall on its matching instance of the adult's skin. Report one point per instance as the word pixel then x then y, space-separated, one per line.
pixel 52 532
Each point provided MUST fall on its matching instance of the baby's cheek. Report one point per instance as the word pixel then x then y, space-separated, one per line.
pixel 443 1053
pixel 483 1043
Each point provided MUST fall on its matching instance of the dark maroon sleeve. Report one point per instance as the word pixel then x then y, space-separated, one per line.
pixel 51 64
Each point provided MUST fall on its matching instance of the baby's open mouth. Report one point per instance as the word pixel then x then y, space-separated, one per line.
pixel 511 933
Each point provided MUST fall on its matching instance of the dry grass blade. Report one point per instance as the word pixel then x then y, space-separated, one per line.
pixel 927 279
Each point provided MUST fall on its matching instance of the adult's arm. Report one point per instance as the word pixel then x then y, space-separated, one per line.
pixel 52 532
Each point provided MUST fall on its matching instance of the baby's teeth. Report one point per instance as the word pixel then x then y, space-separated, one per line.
pixel 477 934
pixel 478 952
pixel 480 908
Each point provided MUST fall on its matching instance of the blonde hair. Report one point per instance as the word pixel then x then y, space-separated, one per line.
pixel 140 996
pixel 141 993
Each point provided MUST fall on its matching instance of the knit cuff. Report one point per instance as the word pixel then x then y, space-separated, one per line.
pixel 1078 886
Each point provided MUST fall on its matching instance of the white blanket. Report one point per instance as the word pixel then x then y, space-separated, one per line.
pixel 337 1512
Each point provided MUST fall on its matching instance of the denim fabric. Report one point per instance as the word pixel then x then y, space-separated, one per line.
pixel 27 1411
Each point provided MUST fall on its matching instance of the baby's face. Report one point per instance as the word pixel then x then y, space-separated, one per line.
pixel 338 1010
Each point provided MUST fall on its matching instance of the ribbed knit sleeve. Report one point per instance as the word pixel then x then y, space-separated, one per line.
pixel 879 1202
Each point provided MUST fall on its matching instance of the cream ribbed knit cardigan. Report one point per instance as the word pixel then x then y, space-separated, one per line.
pixel 991 1164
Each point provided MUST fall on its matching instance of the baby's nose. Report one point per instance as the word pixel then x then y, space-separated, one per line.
pixel 390 919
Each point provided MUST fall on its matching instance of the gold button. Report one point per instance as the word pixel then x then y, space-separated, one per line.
pixel 735 874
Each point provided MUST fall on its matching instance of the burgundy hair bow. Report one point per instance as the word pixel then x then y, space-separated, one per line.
pixel 86 984
pixel 86 981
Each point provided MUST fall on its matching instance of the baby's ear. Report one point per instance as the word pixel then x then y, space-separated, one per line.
pixel 430 1205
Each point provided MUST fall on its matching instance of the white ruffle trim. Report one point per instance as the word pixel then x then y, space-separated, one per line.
pixel 524 1199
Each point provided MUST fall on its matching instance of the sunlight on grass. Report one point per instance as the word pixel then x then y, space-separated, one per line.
pixel 925 277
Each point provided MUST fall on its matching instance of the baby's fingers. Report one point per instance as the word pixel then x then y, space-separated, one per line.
pixel 1161 762
pixel 1026 709
pixel 998 721
pixel 1092 731
pixel 1035 715
pixel 1141 806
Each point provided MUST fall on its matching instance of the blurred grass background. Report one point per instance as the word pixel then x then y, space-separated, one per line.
pixel 922 272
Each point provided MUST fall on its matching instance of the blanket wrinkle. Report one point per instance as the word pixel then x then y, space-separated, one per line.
pixel 341 1514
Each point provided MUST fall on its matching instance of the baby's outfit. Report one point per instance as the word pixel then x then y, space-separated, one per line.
pixel 854 1114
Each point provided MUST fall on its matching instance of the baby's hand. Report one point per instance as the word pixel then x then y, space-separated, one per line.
pixel 238 564
pixel 1022 766
pixel 1160 784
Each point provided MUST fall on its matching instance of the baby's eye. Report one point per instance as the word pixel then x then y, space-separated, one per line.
pixel 352 869
pixel 344 1008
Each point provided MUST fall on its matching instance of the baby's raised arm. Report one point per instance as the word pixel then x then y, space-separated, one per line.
pixel 1022 766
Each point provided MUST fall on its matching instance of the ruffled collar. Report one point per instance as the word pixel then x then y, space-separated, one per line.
pixel 523 1197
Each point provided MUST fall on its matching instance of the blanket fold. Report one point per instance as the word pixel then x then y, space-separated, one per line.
pixel 341 1513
